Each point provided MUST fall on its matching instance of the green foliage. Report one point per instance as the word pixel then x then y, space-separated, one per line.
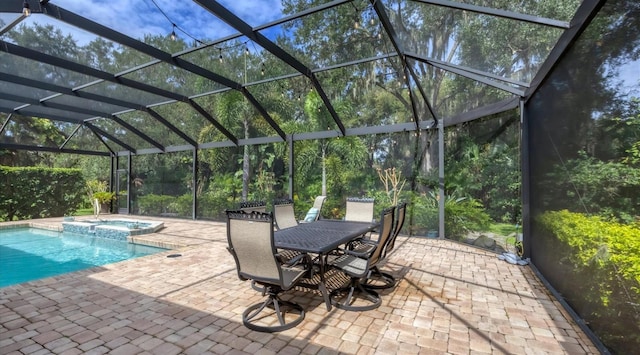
pixel 37 192
pixel 212 205
pixel 607 188
pixel 487 169
pixel 461 215
pixel 104 197
pixel 600 243
pixel 154 205
pixel 604 256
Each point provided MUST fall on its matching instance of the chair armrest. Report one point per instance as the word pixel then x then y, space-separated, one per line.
pixel 302 258
pixel 357 253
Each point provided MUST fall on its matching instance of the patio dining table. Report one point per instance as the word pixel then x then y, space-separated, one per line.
pixel 321 237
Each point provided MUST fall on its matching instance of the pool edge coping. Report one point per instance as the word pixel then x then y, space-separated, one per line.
pixel 136 239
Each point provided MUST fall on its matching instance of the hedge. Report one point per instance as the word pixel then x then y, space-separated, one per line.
pixel 599 263
pixel 38 192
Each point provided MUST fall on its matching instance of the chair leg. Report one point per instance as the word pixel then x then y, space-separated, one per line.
pixel 379 280
pixel 259 317
pixel 355 297
pixel 257 287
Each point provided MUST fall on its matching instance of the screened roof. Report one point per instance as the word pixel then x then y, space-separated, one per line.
pixel 151 76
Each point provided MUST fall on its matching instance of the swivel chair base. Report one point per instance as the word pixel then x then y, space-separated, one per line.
pixel 259 316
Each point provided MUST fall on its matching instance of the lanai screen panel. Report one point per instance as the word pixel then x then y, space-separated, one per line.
pixel 363 97
pixel 172 78
pixel 181 116
pixel 27 131
pixel 36 70
pixel 121 133
pixel 340 34
pixel 124 93
pixel 293 103
pixel 453 94
pixel 84 139
pixel 23 91
pixel 51 36
pixel 508 47
pixel 563 10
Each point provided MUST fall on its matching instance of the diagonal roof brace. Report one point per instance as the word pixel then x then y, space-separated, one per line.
pixel 234 21
pixel 89 96
pixel 103 31
pixel 214 122
pixel 386 24
pixel 173 128
pixel 138 132
pixel 86 70
pixel 467 74
pixel 100 133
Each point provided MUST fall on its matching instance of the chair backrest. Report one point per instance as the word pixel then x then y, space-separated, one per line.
pixel 318 203
pixel 400 213
pixel 386 229
pixel 359 209
pixel 249 206
pixel 284 213
pixel 250 238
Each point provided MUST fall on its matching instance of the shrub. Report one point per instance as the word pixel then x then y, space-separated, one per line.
pixel 602 271
pixel 37 192
pixel 154 205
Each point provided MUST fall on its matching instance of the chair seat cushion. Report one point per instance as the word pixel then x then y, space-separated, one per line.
pixel 352 265
pixel 290 275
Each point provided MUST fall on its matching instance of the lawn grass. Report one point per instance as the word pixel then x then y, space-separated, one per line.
pixel 84 212
pixel 503 228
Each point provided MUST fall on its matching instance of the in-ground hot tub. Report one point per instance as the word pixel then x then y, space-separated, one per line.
pixel 118 229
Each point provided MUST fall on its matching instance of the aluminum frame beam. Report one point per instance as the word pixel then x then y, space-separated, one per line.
pixel 85 95
pixel 393 37
pixel 234 21
pixel 103 31
pixel 498 13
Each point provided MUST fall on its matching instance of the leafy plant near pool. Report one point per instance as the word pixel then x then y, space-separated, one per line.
pixel 461 214
pixel 606 255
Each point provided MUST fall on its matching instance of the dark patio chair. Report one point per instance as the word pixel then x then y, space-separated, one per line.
pixel 250 238
pixel 249 206
pixel 357 266
pixel 401 211
pixel 284 213
pixel 379 279
pixel 359 209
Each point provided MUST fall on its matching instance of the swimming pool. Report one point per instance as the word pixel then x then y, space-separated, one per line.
pixel 28 254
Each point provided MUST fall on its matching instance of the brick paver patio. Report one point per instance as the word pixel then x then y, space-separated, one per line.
pixel 451 299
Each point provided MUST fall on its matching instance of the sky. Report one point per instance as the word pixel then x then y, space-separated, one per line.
pixel 137 17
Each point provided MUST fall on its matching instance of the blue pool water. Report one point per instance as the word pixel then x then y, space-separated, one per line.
pixel 28 254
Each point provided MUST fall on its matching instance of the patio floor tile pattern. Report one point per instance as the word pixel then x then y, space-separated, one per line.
pixel 451 299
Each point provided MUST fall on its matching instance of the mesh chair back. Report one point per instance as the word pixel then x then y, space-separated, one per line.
pixel 318 203
pixel 249 206
pixel 250 238
pixel 359 209
pixel 400 213
pixel 386 228
pixel 284 214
